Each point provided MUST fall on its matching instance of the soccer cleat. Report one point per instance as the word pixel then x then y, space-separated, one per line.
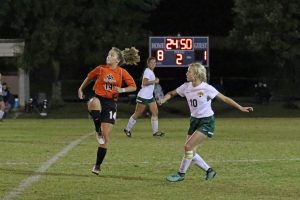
pixel 127 133
pixel 96 170
pixel 210 174
pixel 175 178
pixel 159 133
pixel 100 138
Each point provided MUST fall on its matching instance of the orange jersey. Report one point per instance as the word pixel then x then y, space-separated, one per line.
pixel 107 79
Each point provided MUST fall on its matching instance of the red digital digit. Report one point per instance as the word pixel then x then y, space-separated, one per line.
pixel 168 43
pixel 186 44
pixel 171 44
pixel 177 45
pixel 183 43
pixel 160 55
pixel 189 43
pixel 179 59
pixel 205 55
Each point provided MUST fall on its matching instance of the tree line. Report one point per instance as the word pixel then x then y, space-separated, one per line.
pixel 62 35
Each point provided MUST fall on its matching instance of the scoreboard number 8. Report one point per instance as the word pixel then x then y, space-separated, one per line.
pixel 160 55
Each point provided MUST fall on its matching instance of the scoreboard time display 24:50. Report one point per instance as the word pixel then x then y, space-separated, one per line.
pixel 179 51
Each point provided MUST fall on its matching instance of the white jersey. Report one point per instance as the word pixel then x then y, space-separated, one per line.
pixel 199 98
pixel 146 92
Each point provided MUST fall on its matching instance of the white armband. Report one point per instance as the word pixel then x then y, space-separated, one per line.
pixel 123 90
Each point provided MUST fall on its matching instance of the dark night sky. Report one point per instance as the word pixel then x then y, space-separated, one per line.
pixel 192 17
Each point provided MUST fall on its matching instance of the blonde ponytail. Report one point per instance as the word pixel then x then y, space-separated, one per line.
pixel 129 56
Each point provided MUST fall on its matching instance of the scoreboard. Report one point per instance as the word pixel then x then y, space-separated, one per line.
pixel 179 51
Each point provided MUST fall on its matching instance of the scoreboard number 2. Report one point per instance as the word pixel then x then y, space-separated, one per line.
pixel 179 59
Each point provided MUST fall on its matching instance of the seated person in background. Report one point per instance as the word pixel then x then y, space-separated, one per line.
pixel 262 93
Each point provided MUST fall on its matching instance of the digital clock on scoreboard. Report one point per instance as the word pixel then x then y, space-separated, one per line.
pixel 179 51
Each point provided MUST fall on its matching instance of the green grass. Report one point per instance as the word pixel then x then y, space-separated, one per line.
pixel 173 109
pixel 256 158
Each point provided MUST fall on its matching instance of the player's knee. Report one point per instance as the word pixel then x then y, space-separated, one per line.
pixel 136 115
pixel 188 147
pixel 154 112
pixel 105 145
pixel 94 104
pixel 188 155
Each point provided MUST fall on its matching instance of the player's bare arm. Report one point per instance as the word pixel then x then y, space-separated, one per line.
pixel 125 89
pixel 232 103
pixel 167 97
pixel 83 85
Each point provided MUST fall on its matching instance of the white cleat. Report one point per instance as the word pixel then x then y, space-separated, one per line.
pixel 100 138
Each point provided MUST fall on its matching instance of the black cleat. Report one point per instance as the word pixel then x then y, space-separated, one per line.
pixel 127 133
pixel 159 133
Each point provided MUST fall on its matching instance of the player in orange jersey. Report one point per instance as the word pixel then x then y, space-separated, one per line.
pixel 108 84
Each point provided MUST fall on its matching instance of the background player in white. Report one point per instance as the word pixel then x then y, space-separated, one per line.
pixel 2 104
pixel 145 98
pixel 198 95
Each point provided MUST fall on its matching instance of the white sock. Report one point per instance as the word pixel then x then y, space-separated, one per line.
pixel 130 124
pixel 200 162
pixel 186 161
pixel 154 124
pixel 1 114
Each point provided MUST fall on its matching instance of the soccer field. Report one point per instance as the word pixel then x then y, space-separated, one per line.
pixel 255 158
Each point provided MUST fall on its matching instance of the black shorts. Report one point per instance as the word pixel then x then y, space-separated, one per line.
pixel 205 125
pixel 109 110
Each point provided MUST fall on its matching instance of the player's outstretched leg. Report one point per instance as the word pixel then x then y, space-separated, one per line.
pixel 210 174
pixel 176 177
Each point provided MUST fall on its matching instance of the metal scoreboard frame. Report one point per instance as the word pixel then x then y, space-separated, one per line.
pixel 179 51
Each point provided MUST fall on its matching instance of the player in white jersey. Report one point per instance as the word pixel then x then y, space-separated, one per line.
pixel 145 98
pixel 2 104
pixel 198 95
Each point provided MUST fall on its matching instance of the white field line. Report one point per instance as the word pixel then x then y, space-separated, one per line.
pixel 174 162
pixel 43 168
pixel 257 160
